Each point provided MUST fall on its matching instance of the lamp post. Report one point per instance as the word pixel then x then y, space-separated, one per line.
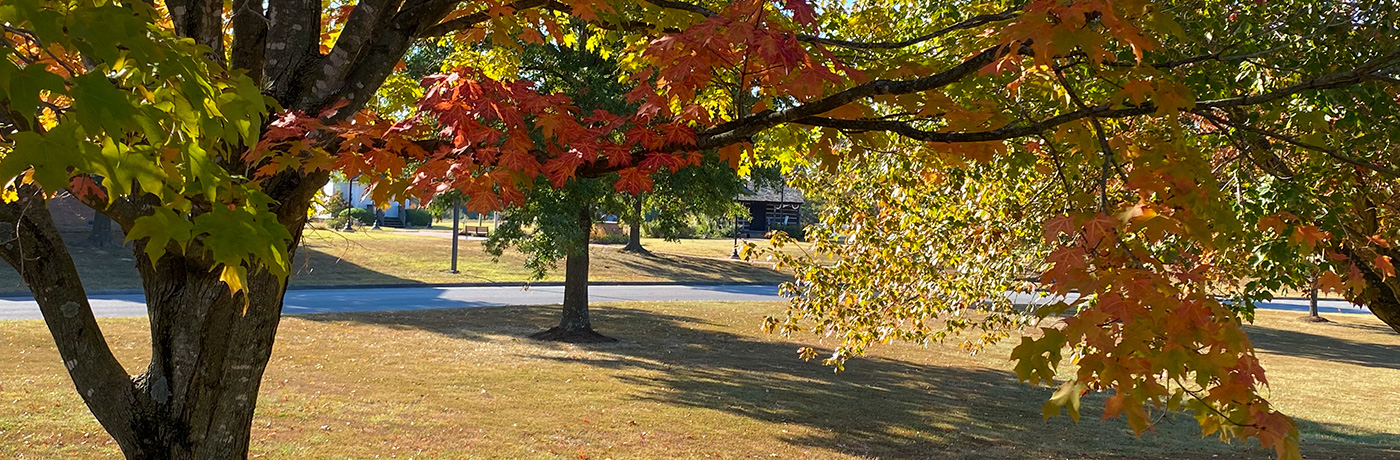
pixel 456 220
pixel 735 255
pixel 349 198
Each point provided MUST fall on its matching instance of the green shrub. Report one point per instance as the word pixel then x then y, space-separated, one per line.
pixel 336 205
pixel 337 222
pixel 418 217
pixel 363 216
pixel 793 230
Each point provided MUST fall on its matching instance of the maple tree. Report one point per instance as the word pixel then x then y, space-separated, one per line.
pixel 557 222
pixel 1163 156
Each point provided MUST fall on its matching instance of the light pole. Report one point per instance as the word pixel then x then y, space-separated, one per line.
pixel 456 220
pixel 735 255
pixel 349 198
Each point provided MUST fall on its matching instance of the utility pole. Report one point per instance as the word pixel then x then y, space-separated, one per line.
pixel 456 221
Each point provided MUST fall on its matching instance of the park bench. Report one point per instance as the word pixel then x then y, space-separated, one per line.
pixel 475 230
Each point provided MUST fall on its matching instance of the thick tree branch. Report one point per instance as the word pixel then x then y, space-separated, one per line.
pixel 32 245
pixel 292 46
pixel 366 24
pixel 249 38
pixel 470 20
pixel 201 20
pixel 742 129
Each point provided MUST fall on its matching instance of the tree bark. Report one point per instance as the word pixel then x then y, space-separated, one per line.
pixel 574 323
pixel 209 347
pixel 634 239
pixel 1382 293
pixel 33 246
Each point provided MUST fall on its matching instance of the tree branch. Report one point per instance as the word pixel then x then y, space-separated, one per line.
pixel 471 20
pixel 968 23
pixel 1334 153
pixel 32 246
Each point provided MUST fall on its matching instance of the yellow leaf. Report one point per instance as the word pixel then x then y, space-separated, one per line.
pixel 236 277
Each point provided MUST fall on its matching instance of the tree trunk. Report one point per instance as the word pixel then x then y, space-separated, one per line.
pixel 209 347
pixel 574 325
pixel 634 239
pixel 101 235
pixel 1382 293
pixel 1313 316
pixel 208 355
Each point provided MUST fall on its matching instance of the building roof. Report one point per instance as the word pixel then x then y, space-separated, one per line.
pixel 783 194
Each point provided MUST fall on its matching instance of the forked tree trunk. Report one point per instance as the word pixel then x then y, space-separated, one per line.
pixel 574 324
pixel 634 239
pixel 209 348
pixel 207 359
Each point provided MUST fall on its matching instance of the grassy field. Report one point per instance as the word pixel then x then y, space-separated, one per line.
pixel 415 257
pixel 688 380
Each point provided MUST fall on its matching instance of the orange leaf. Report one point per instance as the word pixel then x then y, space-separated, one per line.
pixel 1056 226
pixel 1383 264
pixel 1330 282
pixel 1309 236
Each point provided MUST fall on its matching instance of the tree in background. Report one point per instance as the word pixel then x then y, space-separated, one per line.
pixel 1176 153
pixel 557 222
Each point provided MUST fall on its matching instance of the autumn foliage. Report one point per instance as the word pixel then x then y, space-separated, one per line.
pixel 1150 172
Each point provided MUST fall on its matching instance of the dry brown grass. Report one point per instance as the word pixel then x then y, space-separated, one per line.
pixel 688 380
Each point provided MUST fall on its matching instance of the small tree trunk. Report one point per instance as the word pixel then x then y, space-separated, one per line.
pixel 574 324
pixel 101 235
pixel 634 239
pixel 1313 316
pixel 1312 303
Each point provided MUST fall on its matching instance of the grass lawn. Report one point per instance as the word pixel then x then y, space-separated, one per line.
pixel 688 380
pixel 415 257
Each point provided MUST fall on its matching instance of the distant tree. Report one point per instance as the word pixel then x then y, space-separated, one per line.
pixel 557 222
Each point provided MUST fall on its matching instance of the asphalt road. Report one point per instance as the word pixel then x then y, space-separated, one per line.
pixel 306 301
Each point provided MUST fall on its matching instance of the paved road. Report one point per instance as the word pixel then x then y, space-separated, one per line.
pixel 419 298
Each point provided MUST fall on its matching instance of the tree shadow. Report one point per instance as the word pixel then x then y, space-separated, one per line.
pixel 693 268
pixel 1335 349
pixel 316 267
pixel 879 407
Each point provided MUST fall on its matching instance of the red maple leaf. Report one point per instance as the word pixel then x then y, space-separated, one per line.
pixel 632 180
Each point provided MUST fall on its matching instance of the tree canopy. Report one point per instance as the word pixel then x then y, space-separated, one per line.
pixel 1165 163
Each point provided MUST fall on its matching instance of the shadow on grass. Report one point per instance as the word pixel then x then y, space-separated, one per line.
pixel 1327 348
pixel 317 267
pixel 690 268
pixel 879 407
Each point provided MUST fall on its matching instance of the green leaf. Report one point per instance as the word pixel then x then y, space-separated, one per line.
pixel 50 154
pixel 161 228
pixel 1036 359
